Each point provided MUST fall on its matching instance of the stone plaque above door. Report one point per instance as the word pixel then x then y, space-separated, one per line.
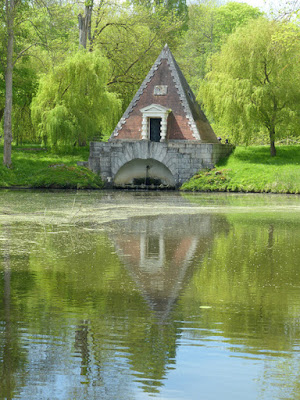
pixel 160 90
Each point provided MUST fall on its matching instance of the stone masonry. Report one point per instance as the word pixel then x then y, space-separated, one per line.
pixel 182 158
pixel 163 137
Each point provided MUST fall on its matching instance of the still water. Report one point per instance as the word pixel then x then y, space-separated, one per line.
pixel 125 296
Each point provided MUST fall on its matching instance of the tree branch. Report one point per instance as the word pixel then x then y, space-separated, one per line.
pixel 267 74
pixel 24 51
pixel 116 78
pixel 66 89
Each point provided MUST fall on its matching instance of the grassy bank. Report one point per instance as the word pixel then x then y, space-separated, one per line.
pixel 248 169
pixel 34 167
pixel 251 169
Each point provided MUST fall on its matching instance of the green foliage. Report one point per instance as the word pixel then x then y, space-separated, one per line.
pixel 43 33
pixel 25 84
pixel 72 104
pixel 208 181
pixel 179 7
pixel 117 29
pixel 254 84
pixel 35 167
pixel 230 16
pixel 64 112
pixel 24 76
pixel 209 25
pixel 288 33
pixel 251 169
pixel 52 28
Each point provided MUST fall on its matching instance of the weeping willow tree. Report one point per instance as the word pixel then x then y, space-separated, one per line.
pixel 72 104
pixel 254 85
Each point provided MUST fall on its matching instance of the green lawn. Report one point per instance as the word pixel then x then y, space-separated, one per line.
pixel 34 167
pixel 252 169
pixel 248 169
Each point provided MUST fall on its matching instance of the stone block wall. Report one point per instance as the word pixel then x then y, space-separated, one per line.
pixel 183 158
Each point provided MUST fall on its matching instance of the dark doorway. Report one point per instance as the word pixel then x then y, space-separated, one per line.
pixel 155 129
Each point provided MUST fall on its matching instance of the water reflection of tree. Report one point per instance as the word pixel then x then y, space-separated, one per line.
pixel 7 378
pixel 283 374
pixel 12 355
pixel 115 332
pixel 82 346
pixel 83 279
pixel 251 280
pixel 87 275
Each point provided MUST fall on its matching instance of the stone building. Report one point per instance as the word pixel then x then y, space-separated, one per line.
pixel 163 138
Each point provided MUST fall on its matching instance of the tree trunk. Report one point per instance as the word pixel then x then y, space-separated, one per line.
pixel 82 345
pixel 273 149
pixel 84 23
pixel 10 7
pixel 272 142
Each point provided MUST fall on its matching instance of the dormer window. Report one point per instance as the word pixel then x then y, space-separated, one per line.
pixel 154 123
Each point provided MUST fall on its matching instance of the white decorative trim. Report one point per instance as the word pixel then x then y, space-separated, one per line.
pixel 182 96
pixel 155 111
pixel 167 55
pixel 137 96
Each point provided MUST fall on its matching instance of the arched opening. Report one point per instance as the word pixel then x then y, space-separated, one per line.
pixel 144 173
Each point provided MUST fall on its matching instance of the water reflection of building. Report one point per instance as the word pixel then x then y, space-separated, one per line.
pixel 159 252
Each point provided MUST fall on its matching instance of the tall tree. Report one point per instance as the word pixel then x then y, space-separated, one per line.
pixel 85 23
pixel 254 84
pixel 115 29
pixel 178 7
pixel 131 37
pixel 209 26
pixel 72 104
pixel 26 25
pixel 10 8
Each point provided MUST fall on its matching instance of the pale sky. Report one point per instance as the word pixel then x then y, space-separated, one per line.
pixel 268 6
pixel 272 5
pixel 263 5
pixel 254 3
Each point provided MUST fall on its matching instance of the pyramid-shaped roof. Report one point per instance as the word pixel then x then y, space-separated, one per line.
pixel 166 86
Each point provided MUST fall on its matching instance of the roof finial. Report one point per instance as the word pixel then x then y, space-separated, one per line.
pixel 165 51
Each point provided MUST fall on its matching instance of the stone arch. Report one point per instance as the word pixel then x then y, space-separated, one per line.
pixel 142 170
pixel 141 149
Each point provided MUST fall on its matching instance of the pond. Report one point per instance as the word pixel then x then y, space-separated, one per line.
pixel 149 295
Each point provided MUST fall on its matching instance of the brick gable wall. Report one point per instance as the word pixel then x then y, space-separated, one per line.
pixel 178 126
